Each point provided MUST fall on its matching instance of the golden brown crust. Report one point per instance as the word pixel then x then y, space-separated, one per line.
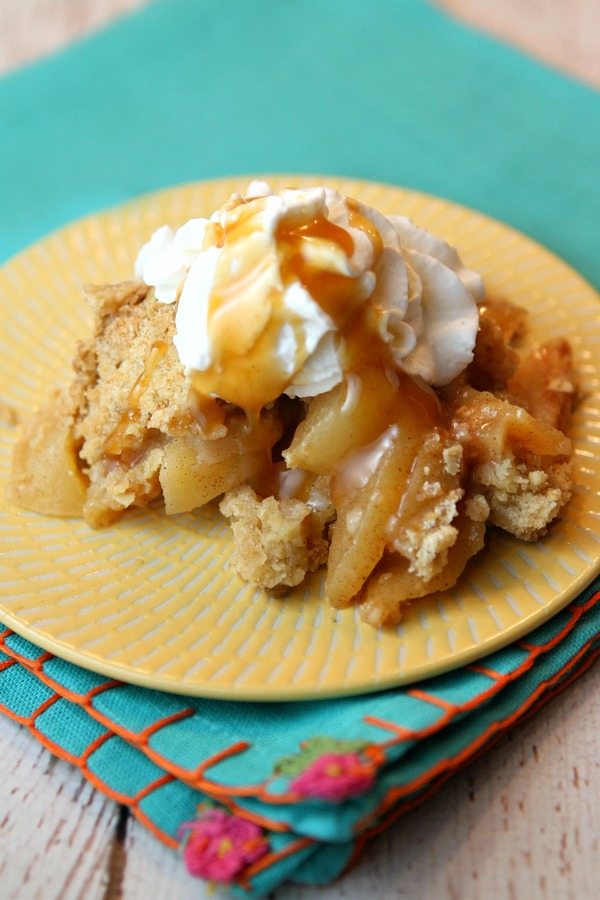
pixel 129 325
pixel 517 463
pixel 121 435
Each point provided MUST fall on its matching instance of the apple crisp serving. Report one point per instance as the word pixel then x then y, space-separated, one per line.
pixel 336 377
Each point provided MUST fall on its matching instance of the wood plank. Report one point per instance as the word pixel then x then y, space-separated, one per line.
pixel 31 29
pixel 55 830
pixel 562 33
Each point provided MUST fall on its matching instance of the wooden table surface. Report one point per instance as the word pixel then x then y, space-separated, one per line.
pixel 521 822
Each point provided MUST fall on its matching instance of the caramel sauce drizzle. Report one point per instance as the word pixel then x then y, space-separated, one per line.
pixel 357 220
pixel 208 412
pixel 119 440
pixel 410 407
pixel 247 371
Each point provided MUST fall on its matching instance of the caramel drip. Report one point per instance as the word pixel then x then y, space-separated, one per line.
pixel 337 295
pixel 321 229
pixel 420 398
pixel 208 412
pixel 357 220
pixel 248 318
pixel 119 440
pixel 361 347
pixel 246 309
pixel 213 236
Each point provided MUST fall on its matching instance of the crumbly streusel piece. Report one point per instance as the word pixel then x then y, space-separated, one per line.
pixel 276 542
pixel 519 464
pixel 523 501
pixel 132 346
pixel 115 488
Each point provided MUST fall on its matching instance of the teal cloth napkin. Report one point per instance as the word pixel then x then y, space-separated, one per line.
pixel 261 793
pixel 389 90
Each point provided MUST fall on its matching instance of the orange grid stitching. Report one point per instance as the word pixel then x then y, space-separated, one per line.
pixel 544 693
pixel 225 794
pixel 101 688
pixel 484 670
pixel 151 729
pixel 93 745
pixel 420 694
pixel 270 858
pixel 258 818
pixel 496 727
pixel 50 701
pixel 369 833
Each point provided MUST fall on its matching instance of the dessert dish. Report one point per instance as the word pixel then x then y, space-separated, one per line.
pixel 335 377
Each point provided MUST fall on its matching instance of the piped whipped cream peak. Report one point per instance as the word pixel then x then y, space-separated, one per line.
pixel 291 291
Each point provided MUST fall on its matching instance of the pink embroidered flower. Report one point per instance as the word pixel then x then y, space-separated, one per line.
pixel 218 845
pixel 335 776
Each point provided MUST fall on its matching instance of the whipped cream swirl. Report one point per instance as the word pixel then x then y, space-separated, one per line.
pixel 274 288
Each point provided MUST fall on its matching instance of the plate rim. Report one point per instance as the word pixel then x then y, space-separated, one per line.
pixel 420 672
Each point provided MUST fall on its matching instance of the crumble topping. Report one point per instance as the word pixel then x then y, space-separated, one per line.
pixel 523 502
pixel 477 508
pixel 276 542
pixel 453 457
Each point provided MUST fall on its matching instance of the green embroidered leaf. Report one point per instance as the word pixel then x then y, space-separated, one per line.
pixel 313 748
pixel 206 804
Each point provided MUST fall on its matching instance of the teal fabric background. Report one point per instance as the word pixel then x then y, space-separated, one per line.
pixel 388 90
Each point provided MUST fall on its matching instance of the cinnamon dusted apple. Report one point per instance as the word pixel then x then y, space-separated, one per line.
pixel 335 376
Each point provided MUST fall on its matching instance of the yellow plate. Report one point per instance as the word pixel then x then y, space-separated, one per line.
pixel 152 601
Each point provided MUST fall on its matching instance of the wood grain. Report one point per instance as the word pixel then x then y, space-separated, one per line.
pixel 56 831
pixel 562 33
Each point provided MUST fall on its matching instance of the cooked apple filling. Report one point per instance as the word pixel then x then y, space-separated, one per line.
pixel 388 471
